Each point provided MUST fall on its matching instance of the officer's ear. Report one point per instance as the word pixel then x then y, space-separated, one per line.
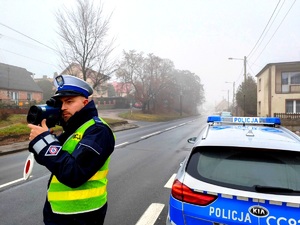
pixel 85 101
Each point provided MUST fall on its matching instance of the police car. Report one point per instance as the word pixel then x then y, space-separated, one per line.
pixel 241 170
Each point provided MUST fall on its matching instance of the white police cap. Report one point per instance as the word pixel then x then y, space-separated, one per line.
pixel 68 85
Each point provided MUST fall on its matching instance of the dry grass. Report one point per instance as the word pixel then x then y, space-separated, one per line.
pixel 138 115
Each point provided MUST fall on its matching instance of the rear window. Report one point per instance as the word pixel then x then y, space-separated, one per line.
pixel 244 168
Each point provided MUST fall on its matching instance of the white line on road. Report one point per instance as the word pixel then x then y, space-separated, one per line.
pixel 151 214
pixel 170 128
pixel 170 181
pixel 151 134
pixel 124 143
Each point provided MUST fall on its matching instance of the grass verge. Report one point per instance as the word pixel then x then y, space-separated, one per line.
pixel 16 125
pixel 138 115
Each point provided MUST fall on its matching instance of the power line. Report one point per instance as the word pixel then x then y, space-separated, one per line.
pixel 24 43
pixel 27 57
pixel 28 37
pixel 275 31
pixel 32 40
pixel 260 38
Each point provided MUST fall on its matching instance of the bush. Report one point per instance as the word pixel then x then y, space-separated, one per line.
pixel 4 115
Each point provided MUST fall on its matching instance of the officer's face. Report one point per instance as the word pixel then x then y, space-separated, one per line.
pixel 71 105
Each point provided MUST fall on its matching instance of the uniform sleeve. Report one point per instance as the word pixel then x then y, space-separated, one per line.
pixel 89 156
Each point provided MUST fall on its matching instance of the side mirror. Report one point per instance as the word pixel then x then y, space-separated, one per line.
pixel 192 140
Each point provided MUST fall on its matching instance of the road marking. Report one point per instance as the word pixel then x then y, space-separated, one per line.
pixel 170 181
pixel 124 143
pixel 12 182
pixel 151 134
pixel 170 128
pixel 151 214
pixel 167 129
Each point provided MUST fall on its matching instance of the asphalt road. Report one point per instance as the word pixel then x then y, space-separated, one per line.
pixel 141 172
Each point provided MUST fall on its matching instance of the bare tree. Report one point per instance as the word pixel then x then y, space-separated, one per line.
pixel 131 71
pixel 159 73
pixel 189 91
pixel 150 76
pixel 158 85
pixel 84 32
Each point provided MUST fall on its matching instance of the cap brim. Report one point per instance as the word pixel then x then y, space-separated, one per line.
pixel 66 93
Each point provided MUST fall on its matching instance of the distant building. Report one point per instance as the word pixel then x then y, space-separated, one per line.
pixel 17 86
pixel 222 106
pixel 75 70
pixel 122 89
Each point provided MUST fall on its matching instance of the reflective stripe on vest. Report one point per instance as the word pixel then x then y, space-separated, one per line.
pixel 91 195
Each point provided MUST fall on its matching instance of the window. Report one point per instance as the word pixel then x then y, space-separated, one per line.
pixel 29 96
pixel 290 81
pixel 227 166
pixel 14 96
pixel 295 78
pixel 284 78
pixel 292 106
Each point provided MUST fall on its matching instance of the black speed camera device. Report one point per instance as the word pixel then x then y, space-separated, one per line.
pixel 49 111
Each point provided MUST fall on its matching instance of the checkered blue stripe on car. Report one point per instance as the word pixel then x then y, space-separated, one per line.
pixel 255 200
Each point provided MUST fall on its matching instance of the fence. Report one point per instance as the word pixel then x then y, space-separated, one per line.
pixel 14 110
pixel 287 115
pixel 289 120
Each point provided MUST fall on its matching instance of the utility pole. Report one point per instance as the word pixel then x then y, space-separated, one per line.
pixel 245 65
pixel 245 75
pixel 233 95
pixel 245 70
pixel 228 99
pixel 233 100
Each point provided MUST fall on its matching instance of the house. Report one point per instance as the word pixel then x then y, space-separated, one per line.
pixel 222 106
pixel 92 78
pixel 122 89
pixel 17 87
pixel 278 89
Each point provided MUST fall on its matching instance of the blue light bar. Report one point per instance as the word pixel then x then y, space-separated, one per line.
pixel 214 118
pixel 245 120
pixel 271 120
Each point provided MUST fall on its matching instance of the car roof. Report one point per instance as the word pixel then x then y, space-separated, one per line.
pixel 253 135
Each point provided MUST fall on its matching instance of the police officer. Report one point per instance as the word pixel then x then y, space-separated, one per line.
pixel 78 158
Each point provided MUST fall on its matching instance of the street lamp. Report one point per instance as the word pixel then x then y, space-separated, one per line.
pixel 245 65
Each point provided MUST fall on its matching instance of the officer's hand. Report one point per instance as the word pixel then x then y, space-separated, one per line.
pixel 37 130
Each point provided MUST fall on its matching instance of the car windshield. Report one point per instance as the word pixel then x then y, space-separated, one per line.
pixel 246 168
pixel 226 114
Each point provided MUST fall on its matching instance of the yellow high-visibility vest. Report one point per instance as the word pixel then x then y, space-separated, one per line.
pixel 90 196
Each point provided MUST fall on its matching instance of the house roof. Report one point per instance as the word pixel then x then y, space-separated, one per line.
pixel 75 68
pixel 277 64
pixel 17 78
